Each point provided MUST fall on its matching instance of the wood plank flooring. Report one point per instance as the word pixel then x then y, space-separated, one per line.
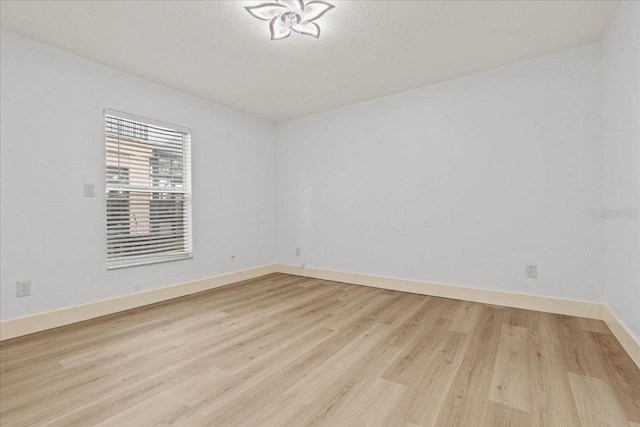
pixel 290 351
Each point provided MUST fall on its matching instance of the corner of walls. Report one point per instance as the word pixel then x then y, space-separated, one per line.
pixel 602 173
pixel 276 167
pixel 273 139
pixel 621 164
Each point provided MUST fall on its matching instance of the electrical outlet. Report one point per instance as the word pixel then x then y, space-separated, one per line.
pixel 297 251
pixel 532 271
pixel 89 190
pixel 24 288
pixel 233 258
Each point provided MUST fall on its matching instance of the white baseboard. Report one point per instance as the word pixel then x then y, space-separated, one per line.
pixel 622 332
pixel 592 310
pixel 52 319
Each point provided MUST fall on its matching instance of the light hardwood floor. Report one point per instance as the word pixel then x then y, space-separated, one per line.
pixel 290 351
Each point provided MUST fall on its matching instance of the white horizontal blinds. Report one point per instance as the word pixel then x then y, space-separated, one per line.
pixel 148 185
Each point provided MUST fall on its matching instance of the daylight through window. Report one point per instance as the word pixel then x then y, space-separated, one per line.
pixel 148 186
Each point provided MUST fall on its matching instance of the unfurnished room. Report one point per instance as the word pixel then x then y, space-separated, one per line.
pixel 284 213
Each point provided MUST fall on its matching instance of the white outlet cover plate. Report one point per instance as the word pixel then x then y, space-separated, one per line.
pixel 23 288
pixel 532 271
pixel 89 190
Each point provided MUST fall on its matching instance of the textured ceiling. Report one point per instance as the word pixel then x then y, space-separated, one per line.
pixel 217 51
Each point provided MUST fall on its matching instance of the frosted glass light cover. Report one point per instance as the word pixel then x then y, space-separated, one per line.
pixel 291 16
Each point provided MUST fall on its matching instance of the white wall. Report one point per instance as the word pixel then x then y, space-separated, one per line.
pixel 621 88
pixel 52 140
pixel 462 182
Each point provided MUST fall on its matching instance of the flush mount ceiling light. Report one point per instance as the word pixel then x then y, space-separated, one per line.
pixel 287 16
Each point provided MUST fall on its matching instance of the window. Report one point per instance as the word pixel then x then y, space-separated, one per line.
pixel 148 183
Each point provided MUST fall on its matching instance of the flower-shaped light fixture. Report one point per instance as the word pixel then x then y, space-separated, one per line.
pixel 287 16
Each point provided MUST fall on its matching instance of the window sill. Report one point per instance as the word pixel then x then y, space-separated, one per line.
pixel 116 265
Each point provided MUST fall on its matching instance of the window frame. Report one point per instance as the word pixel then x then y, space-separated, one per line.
pixel 140 123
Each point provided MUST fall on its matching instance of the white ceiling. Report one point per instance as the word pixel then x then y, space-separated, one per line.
pixel 217 51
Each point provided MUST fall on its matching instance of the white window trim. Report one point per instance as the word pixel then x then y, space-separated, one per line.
pixel 133 261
